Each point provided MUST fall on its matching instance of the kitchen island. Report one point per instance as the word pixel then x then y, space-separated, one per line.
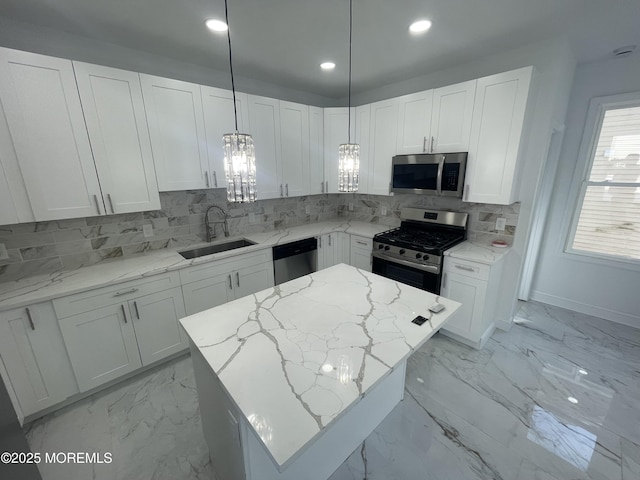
pixel 292 379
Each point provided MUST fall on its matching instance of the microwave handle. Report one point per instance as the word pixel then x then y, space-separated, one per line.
pixel 440 171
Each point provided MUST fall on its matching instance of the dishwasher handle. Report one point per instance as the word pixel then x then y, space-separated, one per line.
pixel 294 248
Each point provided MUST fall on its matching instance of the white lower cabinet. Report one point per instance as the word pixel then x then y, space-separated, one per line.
pixel 360 252
pixel 212 284
pixel 35 357
pixel 476 286
pixel 115 330
pixel 327 250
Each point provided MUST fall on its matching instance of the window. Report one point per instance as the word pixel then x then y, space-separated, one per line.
pixel 607 221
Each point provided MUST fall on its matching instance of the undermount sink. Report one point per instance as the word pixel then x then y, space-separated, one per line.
pixel 217 248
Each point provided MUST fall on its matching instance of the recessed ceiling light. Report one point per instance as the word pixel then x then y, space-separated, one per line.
pixel 216 25
pixel 327 65
pixel 420 26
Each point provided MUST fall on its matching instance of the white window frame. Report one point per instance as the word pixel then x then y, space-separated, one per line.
pixel 595 116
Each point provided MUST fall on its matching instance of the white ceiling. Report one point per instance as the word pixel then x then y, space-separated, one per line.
pixel 284 41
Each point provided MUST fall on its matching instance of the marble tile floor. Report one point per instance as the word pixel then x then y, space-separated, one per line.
pixel 557 397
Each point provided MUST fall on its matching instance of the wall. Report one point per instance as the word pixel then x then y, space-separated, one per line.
pixel 46 247
pixel 572 281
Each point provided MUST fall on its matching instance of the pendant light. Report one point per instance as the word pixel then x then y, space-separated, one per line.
pixel 349 153
pixel 239 153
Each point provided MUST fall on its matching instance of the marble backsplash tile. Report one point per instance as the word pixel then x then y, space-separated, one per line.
pixel 45 247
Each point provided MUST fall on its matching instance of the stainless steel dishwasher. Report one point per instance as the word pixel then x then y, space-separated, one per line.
pixel 295 259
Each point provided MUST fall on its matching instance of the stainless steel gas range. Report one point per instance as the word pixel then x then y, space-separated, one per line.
pixel 413 253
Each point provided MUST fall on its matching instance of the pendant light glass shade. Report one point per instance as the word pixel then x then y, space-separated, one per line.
pixel 348 167
pixel 239 167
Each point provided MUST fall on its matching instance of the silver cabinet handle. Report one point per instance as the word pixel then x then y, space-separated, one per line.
pixel 287 189
pixel 206 179
pixel 361 243
pixel 237 279
pixel 230 284
pixel 424 143
pixel 215 179
pixel 124 314
pixel 125 292
pixel 281 191
pixel 322 186
pixel 462 267
pixel 95 197
pixel 329 240
pixel 30 318
pixel 110 203
pixel 135 306
pixel 432 139
pixel 444 281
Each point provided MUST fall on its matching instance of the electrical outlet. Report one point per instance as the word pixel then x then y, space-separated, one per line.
pixel 351 207
pixel 307 209
pixel 147 230
pixel 4 255
pixel 500 224
pixel 383 210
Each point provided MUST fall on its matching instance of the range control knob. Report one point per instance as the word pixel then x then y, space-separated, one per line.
pixel 380 247
pixel 401 252
pixel 387 247
pixel 418 255
pixel 425 258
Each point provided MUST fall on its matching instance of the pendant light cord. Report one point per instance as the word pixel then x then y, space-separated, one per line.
pixel 233 86
pixel 350 39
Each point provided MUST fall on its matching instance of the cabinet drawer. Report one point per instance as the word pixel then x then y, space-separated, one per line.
pixel 361 242
pixel 101 297
pixel 467 268
pixel 220 267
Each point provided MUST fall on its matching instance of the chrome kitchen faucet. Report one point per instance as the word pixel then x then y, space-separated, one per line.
pixel 210 227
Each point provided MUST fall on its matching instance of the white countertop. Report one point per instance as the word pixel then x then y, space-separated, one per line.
pixel 478 252
pixel 295 357
pixel 39 288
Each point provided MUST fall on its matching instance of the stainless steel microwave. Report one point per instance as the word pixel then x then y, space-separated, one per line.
pixel 429 173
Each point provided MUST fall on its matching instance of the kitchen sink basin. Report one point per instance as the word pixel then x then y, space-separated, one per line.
pixel 217 248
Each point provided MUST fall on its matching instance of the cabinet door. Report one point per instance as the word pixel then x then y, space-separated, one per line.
pixel 294 145
pixel 156 324
pixel 451 117
pixel 343 254
pixel 327 250
pixel 414 122
pixel 247 281
pixel 335 133
pixel 35 357
pixel 8 211
pixel 101 344
pixel 176 128
pixel 48 133
pixel 316 151
pixel 384 124
pixel 361 248
pixel 114 114
pixel 362 132
pixel 470 292
pixel 264 117
pixel 218 120
pixel 207 293
pixel 496 131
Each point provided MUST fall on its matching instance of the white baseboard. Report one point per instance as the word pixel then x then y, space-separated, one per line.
pixel 607 314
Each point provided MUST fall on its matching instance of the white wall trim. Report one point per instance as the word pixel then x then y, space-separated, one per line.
pixel 607 314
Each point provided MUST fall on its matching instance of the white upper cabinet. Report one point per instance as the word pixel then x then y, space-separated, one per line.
pixel 115 118
pixel 176 128
pixel 336 121
pixel 8 212
pixel 264 117
pixel 451 117
pixel 219 119
pixel 496 134
pixel 362 119
pixel 414 122
pixel 316 151
pixel 48 133
pixel 382 145
pixel 294 146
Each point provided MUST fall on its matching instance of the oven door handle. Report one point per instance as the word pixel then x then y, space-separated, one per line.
pixel 425 268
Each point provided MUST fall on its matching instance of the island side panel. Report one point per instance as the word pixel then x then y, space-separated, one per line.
pixel 220 421
pixel 319 459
